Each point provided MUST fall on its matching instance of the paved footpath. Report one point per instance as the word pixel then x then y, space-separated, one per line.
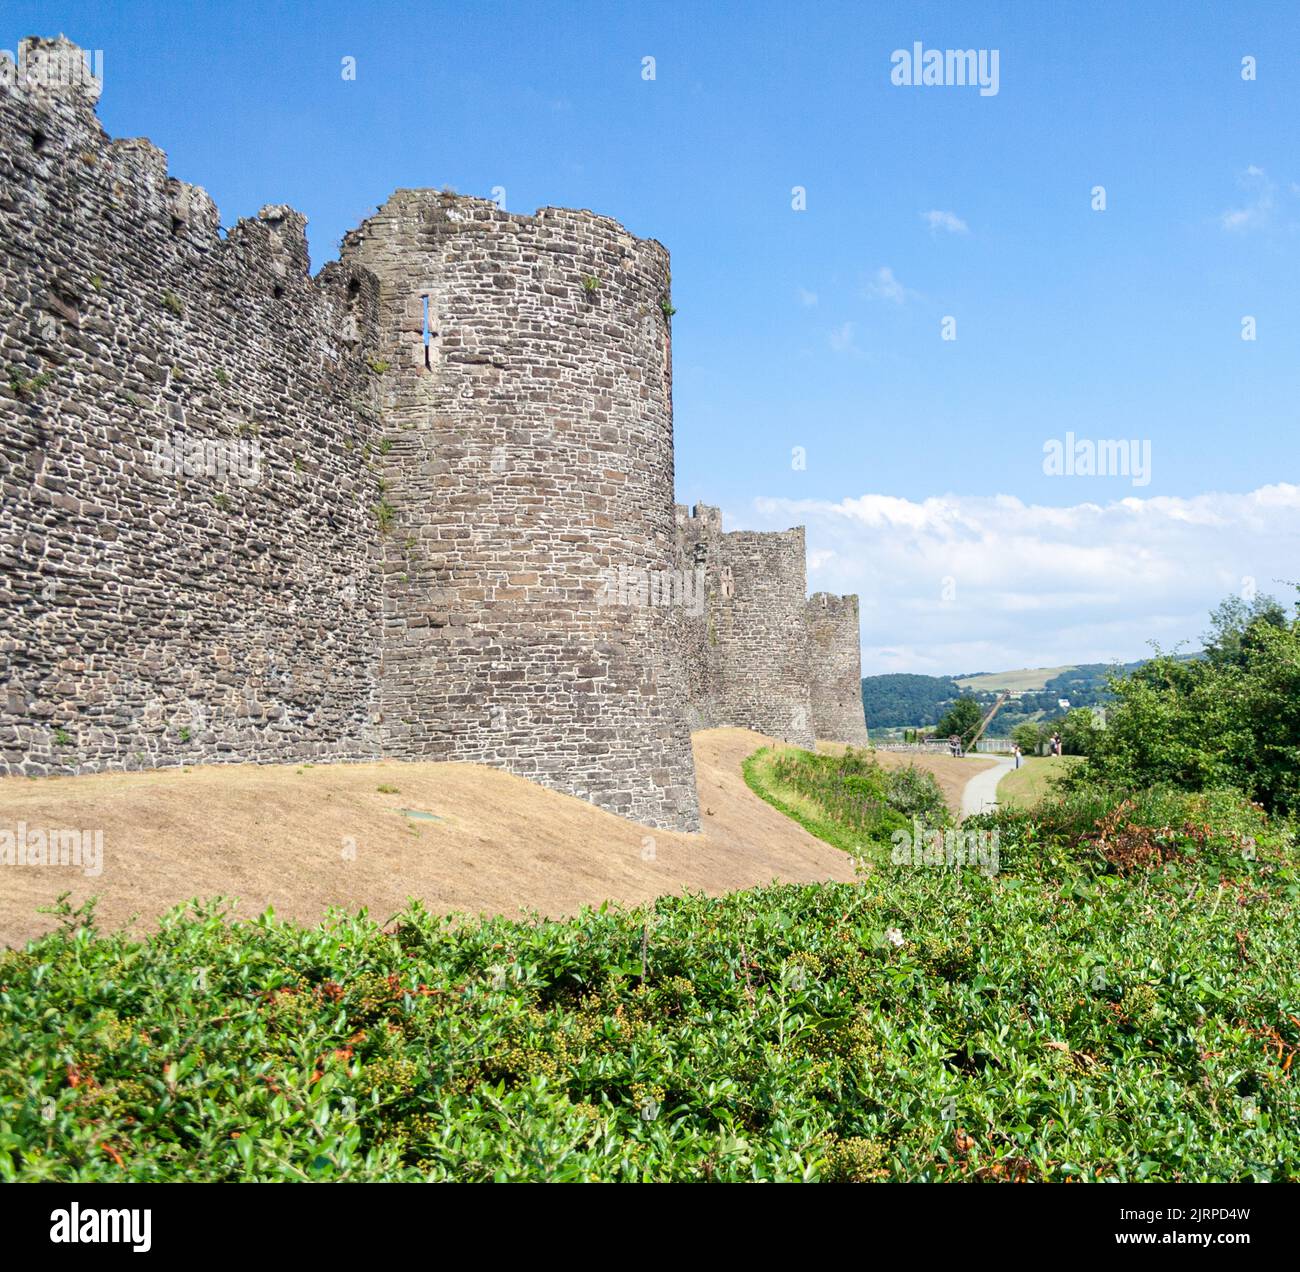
pixel 981 792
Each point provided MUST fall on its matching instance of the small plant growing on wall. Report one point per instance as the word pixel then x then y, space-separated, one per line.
pixel 590 284
pixel 62 737
pixel 385 515
pixel 378 366
pixel 172 302
pixel 25 386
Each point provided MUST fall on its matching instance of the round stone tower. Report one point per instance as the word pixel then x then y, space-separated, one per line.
pixel 525 371
pixel 835 668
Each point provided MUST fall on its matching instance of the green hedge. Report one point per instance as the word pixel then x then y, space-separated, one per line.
pixel 1057 1020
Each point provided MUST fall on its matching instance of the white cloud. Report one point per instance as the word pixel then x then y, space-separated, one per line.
pixel 1035 585
pixel 1260 209
pixel 884 286
pixel 841 338
pixel 806 297
pixel 948 221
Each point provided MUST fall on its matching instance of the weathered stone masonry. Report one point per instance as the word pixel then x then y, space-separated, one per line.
pixel 413 564
pixel 151 616
pixel 530 450
pixel 761 656
pixel 835 668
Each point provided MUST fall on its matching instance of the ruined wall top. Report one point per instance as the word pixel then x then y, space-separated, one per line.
pixel 53 66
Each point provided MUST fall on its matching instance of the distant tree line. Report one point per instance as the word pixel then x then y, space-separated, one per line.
pixel 900 700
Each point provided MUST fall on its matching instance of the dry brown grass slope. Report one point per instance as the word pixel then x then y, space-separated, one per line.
pixel 276 835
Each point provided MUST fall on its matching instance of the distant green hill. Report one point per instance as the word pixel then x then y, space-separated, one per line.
pixel 899 700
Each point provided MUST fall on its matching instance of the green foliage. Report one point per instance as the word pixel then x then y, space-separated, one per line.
pixel 172 303
pixel 848 800
pixel 378 365
pixel 1079 732
pixel 590 284
pixel 667 306
pixel 385 515
pixel 1230 719
pixel 1059 1020
pixel 901 700
pixel 1231 621
pixel 1027 737
pixel 963 719
pixel 27 386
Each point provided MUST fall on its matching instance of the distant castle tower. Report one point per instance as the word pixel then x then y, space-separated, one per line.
pixel 835 668
pixel 761 656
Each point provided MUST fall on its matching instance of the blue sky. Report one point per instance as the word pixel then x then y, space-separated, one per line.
pixel 924 486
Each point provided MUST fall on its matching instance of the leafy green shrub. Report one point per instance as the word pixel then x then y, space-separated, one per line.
pixel 852 800
pixel 1027 738
pixel 1229 719
pixel 1060 1023
pixel 1101 830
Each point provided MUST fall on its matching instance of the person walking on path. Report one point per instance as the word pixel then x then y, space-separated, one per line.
pixel 1015 750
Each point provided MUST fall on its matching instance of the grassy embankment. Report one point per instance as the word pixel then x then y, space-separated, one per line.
pixel 1033 779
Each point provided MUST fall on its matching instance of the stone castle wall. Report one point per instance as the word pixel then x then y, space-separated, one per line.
pixel 761 655
pixel 835 668
pixel 249 514
pixel 154 612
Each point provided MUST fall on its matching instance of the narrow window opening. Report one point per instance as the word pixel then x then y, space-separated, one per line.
pixel 38 140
